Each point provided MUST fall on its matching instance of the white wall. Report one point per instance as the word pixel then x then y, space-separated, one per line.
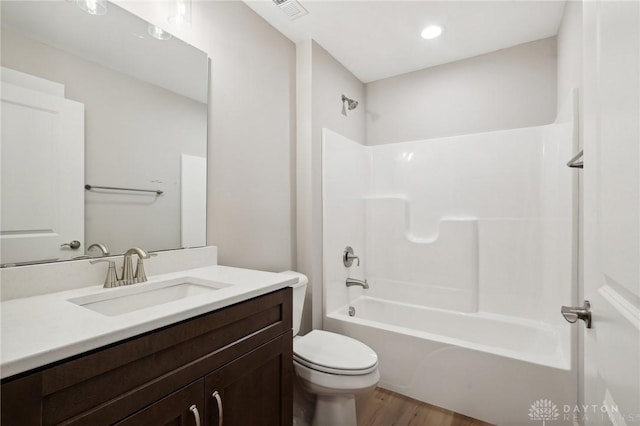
pixel 569 50
pixel 135 133
pixel 570 75
pixel 322 82
pixel 509 88
pixel 251 195
pixel 330 81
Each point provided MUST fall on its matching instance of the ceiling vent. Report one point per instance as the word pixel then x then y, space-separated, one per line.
pixel 292 8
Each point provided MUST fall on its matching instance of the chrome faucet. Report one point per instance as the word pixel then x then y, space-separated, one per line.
pixel 101 247
pixel 352 281
pixel 128 277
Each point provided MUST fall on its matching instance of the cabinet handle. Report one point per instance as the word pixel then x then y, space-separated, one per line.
pixel 216 395
pixel 196 414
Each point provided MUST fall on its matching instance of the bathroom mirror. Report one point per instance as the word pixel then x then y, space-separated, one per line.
pixel 104 133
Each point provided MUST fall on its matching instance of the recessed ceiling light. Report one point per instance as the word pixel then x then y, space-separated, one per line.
pixel 432 31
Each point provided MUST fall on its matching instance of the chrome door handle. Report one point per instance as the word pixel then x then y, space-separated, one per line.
pixel 196 414
pixel 73 245
pixel 574 313
pixel 216 395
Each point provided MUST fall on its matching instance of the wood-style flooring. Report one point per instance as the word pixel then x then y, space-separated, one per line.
pixel 386 408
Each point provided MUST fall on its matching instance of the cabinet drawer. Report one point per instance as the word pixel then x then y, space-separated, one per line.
pixel 106 385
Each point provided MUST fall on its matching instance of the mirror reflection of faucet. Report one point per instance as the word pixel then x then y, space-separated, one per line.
pixel 99 246
pixel 348 257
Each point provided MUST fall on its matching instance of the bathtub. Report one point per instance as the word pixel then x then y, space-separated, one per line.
pixel 490 367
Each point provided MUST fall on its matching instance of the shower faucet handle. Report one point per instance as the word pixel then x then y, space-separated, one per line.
pixel 348 257
pixel 574 313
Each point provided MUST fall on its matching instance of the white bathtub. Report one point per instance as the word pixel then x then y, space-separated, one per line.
pixel 489 367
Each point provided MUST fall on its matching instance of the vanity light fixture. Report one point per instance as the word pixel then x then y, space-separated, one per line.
pixel 93 7
pixel 431 32
pixel 158 33
pixel 179 12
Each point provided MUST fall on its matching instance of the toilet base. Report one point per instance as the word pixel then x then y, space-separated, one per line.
pixel 335 394
pixel 335 411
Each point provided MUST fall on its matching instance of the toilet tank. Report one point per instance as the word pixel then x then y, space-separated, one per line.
pixel 299 292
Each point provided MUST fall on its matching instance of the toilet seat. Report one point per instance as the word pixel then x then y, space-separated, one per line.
pixel 334 354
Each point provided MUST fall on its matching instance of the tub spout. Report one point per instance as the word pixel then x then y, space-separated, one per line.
pixel 352 281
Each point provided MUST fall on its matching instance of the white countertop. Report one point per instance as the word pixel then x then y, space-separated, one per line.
pixel 43 329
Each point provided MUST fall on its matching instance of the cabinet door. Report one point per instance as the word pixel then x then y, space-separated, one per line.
pixel 255 389
pixel 181 408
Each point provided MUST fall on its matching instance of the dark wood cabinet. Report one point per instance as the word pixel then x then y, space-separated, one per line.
pixel 253 390
pixel 181 408
pixel 244 352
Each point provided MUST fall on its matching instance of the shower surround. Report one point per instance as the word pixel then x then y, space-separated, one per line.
pixel 467 243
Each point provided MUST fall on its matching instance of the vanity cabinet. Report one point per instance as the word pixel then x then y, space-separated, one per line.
pixel 178 409
pixel 229 367
pixel 247 392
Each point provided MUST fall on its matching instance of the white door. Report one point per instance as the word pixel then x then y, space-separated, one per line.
pixel 42 151
pixel 611 387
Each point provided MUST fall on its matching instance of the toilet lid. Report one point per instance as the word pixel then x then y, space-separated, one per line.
pixel 334 353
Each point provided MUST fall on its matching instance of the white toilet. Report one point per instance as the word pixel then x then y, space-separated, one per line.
pixel 335 368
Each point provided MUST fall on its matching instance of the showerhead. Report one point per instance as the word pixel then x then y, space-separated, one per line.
pixel 351 104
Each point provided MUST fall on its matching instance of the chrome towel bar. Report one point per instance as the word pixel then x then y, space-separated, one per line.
pixel 90 187
pixel 576 162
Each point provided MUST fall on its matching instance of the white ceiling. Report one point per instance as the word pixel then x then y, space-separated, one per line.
pixel 377 39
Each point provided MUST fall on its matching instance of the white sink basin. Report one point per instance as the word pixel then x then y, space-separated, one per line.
pixel 123 300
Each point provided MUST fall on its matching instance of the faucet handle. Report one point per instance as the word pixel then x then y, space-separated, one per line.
pixel 348 257
pixel 140 276
pixel 112 278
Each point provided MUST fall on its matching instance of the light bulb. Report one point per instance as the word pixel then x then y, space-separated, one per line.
pixel 93 7
pixel 180 12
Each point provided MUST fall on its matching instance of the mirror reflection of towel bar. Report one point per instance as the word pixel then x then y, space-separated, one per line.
pixel 576 162
pixel 90 187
